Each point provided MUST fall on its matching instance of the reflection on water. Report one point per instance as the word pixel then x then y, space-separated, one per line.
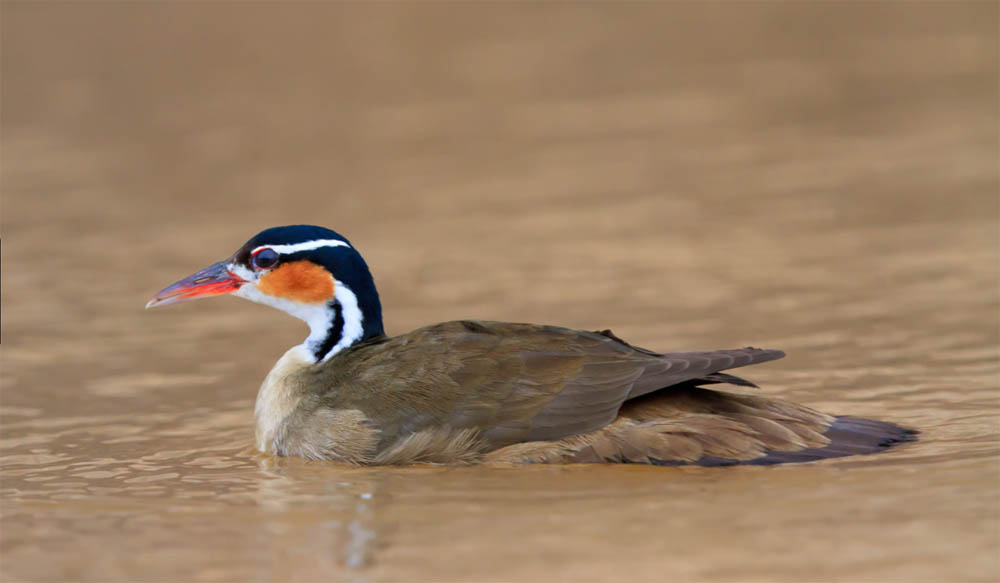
pixel 797 187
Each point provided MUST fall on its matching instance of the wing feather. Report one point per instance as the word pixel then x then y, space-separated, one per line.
pixel 510 382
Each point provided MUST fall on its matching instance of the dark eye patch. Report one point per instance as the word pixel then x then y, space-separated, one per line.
pixel 264 258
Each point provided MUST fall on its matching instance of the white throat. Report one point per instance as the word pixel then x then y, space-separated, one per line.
pixel 321 318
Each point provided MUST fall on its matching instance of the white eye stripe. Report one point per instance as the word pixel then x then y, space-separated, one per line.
pixel 307 246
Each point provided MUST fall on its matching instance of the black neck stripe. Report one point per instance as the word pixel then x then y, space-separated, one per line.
pixel 333 334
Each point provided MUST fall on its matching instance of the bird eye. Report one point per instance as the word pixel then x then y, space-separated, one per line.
pixel 264 258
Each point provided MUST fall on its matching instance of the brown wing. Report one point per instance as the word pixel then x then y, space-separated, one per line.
pixel 578 404
pixel 509 382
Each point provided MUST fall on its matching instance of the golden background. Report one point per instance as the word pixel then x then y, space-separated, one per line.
pixel 815 177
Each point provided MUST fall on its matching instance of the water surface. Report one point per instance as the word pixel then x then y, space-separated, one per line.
pixel 820 179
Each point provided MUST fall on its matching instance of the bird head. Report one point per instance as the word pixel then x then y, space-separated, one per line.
pixel 312 273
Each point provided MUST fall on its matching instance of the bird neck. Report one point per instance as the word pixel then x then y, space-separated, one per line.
pixel 354 315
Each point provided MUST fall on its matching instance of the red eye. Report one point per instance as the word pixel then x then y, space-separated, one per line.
pixel 264 258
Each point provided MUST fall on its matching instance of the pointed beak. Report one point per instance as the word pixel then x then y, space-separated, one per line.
pixel 211 281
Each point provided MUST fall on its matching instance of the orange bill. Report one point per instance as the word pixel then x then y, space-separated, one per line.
pixel 211 281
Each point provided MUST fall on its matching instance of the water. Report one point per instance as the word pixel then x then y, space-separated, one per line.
pixel 821 179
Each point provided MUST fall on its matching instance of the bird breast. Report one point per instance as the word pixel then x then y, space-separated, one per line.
pixel 279 396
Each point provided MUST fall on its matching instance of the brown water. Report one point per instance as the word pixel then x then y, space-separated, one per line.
pixel 816 178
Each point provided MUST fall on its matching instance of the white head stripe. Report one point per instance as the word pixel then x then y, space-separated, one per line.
pixel 307 246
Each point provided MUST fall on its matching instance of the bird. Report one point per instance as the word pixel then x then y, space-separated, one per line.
pixel 472 391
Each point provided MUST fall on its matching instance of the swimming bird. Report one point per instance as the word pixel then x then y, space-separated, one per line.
pixel 477 391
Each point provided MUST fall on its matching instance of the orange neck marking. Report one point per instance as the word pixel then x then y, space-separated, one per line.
pixel 300 281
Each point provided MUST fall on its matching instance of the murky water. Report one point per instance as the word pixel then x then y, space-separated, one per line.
pixel 821 179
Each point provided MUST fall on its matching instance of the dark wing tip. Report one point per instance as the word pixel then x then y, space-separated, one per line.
pixel 721 377
pixel 764 354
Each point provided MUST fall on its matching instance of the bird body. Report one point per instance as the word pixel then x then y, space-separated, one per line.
pixel 476 391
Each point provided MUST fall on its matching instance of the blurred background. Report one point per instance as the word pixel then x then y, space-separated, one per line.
pixel 816 177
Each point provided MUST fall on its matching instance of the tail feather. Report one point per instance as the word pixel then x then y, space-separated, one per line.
pixel 848 436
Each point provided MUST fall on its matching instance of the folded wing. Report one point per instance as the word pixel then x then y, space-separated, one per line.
pixel 513 382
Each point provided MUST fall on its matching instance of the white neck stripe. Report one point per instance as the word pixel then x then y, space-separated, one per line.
pixel 307 246
pixel 354 327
